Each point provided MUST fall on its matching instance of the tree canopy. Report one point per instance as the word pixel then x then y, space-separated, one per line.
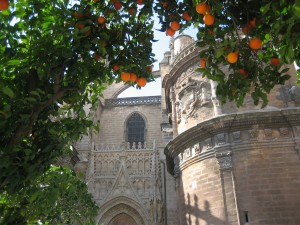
pixel 55 197
pixel 57 56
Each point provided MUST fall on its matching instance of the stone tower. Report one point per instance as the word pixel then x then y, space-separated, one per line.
pixel 226 165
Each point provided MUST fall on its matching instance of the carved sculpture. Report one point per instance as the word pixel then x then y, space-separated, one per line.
pixel 193 94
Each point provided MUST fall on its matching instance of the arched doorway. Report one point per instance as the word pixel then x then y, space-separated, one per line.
pixel 122 219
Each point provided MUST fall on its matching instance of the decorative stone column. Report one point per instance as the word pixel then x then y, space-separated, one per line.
pixel 174 121
pixel 215 100
pixel 228 188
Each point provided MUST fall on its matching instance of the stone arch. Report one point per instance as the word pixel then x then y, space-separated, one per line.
pixel 122 219
pixel 126 121
pixel 122 206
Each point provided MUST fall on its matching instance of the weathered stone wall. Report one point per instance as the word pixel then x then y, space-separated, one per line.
pixel 200 194
pixel 113 123
pixel 239 164
pixel 267 183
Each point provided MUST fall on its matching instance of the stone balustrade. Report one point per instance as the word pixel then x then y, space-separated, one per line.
pixel 149 100
pixel 103 147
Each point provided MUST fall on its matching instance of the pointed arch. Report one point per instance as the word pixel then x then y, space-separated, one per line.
pixel 122 205
pixel 135 129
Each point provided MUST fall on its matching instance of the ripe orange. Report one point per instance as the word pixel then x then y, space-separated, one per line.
pixel 125 76
pixel 4 4
pixel 118 5
pixel 165 5
pixel 133 77
pixel 203 63
pixel 232 57
pixel 170 32
pixel 208 19
pixel 101 19
pixel 116 68
pixel 255 43
pixel 201 8
pixel 140 2
pixel 243 72
pixel 175 25
pixel 186 16
pixel 275 61
pixel 141 81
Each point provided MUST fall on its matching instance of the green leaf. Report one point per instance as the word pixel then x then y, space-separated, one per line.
pixel 6 90
pixel 14 62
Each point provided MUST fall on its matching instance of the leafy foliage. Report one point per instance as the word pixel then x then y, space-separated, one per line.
pixel 56 197
pixel 55 57
pixel 49 71
pixel 276 23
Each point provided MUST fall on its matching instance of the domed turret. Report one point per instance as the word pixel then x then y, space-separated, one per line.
pixel 179 43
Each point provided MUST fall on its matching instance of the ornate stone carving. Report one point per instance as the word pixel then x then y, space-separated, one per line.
pixel 194 94
pixel 178 111
pixel 187 153
pixel 182 80
pixel 207 144
pixel 196 149
pixel 221 139
pixel 236 135
pixel 224 160
pixel 253 133
pixel 268 133
pixel 284 131
pixel 123 146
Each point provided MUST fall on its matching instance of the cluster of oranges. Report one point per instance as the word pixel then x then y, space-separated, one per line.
pixel 132 77
pixel 174 26
pixel 205 10
pixel 254 43
pixel 201 8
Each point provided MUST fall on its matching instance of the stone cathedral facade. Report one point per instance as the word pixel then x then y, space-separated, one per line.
pixel 182 158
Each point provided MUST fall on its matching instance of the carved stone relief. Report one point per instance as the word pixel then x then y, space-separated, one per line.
pixel 192 97
pixel 196 149
pixel 268 133
pixel 284 132
pixel 207 144
pixel 236 135
pixel 221 139
pixel 253 133
pixel 126 172
pixel 224 160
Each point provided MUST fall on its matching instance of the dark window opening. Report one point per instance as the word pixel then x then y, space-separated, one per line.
pixel 136 130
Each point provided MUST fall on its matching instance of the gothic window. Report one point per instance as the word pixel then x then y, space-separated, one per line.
pixel 135 129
